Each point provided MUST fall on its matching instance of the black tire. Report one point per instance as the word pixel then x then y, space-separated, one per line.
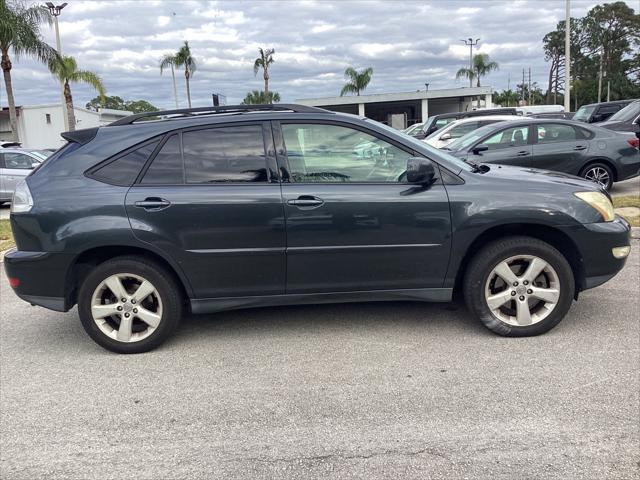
pixel 588 172
pixel 483 263
pixel 165 285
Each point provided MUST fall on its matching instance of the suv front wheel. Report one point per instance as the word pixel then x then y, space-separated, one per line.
pixel 519 286
pixel 129 305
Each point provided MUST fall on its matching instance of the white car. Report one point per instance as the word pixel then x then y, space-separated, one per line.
pixel 15 164
pixel 454 130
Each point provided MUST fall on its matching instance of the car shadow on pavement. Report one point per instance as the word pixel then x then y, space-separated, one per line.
pixel 401 317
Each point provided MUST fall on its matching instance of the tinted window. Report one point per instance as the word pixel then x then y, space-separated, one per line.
pixel 124 170
pixel 511 137
pixel 166 167
pixel 331 153
pixel 556 132
pixel 18 161
pixel 228 154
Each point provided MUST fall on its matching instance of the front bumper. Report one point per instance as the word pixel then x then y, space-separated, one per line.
pixel 595 242
pixel 40 278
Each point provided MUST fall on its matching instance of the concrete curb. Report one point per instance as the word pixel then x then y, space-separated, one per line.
pixel 635 232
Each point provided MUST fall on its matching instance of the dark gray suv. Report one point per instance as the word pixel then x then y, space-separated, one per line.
pixel 220 208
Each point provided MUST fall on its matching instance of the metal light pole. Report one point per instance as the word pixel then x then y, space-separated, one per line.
pixel 567 59
pixel 55 11
pixel 471 44
pixel 426 88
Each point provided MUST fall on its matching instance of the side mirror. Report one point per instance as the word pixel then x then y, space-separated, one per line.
pixel 35 164
pixel 446 136
pixel 480 148
pixel 420 171
pixel 420 136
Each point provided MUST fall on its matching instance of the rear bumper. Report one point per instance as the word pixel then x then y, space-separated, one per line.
pixel 40 277
pixel 595 242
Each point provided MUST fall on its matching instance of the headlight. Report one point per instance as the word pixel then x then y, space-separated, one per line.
pixel 600 202
pixel 22 200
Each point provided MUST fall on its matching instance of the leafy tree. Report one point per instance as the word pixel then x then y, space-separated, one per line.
pixel 109 101
pixel 482 66
pixel 356 81
pixel 259 97
pixel 116 103
pixel 608 34
pixel 182 58
pixel 507 98
pixel 263 62
pixel 20 35
pixel 66 70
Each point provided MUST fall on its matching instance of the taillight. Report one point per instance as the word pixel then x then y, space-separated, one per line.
pixel 634 142
pixel 14 282
pixel 22 199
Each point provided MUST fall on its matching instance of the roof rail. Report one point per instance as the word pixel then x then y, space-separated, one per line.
pixel 192 112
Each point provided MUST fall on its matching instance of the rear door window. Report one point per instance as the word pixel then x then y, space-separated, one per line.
pixel 510 137
pixel 225 154
pixel 125 169
pixel 556 132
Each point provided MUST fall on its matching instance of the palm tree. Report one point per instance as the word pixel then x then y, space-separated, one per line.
pixel 182 58
pixel 20 34
pixel 357 81
pixel 263 62
pixel 259 97
pixel 481 67
pixel 66 70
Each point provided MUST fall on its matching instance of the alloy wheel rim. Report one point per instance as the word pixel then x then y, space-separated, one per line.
pixel 522 290
pixel 598 175
pixel 126 307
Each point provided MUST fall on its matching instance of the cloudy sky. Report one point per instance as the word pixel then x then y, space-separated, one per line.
pixel 407 43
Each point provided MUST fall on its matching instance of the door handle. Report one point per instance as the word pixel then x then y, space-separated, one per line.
pixel 523 153
pixel 580 147
pixel 153 203
pixel 305 201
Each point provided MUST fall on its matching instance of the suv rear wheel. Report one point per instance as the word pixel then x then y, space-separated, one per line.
pixel 519 286
pixel 129 305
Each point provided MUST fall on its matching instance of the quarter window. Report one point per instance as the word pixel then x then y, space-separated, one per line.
pixel 124 170
pixel 226 154
pixel 167 165
pixel 329 153
pixel 510 137
pixel 556 132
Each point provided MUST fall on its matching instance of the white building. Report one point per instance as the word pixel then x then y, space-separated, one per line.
pixel 40 126
pixel 411 106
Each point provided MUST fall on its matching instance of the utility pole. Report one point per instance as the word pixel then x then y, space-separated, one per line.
pixel 523 99
pixel 567 58
pixel 469 42
pixel 529 101
pixel 508 88
pixel 600 76
pixel 55 11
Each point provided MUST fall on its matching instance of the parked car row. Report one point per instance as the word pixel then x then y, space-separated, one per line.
pixel 604 152
pixel 15 164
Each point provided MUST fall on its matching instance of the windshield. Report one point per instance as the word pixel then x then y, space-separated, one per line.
pixel 470 138
pixel 413 130
pixel 627 114
pixel 41 154
pixel 584 112
pixel 425 146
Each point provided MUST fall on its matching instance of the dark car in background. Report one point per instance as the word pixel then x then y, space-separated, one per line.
pixel 251 206
pixel 436 122
pixel 588 151
pixel 624 120
pixel 599 112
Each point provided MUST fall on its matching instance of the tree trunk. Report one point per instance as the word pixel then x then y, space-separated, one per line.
pixel 266 83
pixel 186 77
pixel 68 100
pixel 13 117
pixel 550 85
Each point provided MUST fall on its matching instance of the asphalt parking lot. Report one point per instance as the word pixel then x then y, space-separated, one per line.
pixel 342 391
